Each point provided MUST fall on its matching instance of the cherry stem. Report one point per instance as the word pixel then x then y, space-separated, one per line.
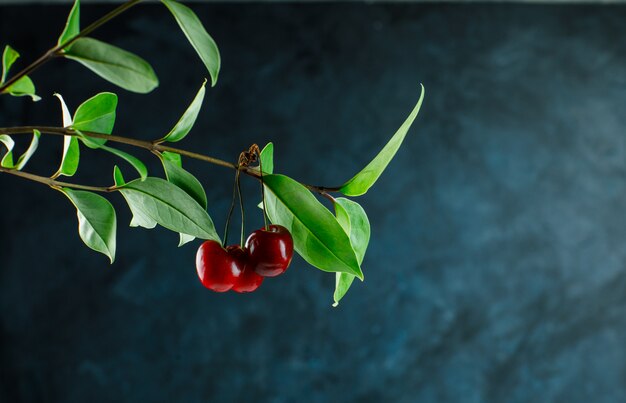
pixel 231 209
pixel 243 214
pixel 56 51
pixel 151 146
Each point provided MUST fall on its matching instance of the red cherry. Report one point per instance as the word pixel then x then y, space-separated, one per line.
pixel 248 281
pixel 218 269
pixel 270 250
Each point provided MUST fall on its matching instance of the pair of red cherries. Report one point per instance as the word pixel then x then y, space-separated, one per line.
pixel 267 253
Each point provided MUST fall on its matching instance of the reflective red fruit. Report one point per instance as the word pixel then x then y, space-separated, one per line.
pixel 248 280
pixel 218 269
pixel 270 250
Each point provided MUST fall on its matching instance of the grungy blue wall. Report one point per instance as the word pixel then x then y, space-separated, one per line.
pixel 497 266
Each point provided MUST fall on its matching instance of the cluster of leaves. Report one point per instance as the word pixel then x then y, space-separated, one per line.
pixel 330 241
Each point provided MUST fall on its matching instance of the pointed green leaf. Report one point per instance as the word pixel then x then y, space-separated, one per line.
pixel 34 143
pixel 71 149
pixel 169 205
pixel 9 56
pixel 118 178
pixel 72 26
pixel 23 87
pixel 267 158
pixel 97 114
pixel 174 158
pixel 185 239
pixel 97 222
pixel 317 235
pixel 201 41
pixel 186 181
pixel 115 65
pixel 7 160
pixel 139 166
pixel 362 181
pixel 186 122
pixel 354 221
pixel 139 218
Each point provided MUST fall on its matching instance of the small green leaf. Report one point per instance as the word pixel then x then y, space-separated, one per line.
pixel 362 181
pixel 7 160
pixel 139 166
pixel 186 181
pixel 174 158
pixel 118 178
pixel 71 148
pixel 72 26
pixel 23 87
pixel 168 205
pixel 317 235
pixel 115 65
pixel 201 41
pixel 267 158
pixel 97 222
pixel 9 56
pixel 186 122
pixel 34 143
pixel 97 114
pixel 354 221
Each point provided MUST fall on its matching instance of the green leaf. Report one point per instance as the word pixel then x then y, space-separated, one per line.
pixel 34 143
pixel 168 205
pixel 23 87
pixel 186 122
pixel 317 235
pixel 72 26
pixel 354 221
pixel 7 160
pixel 115 65
pixel 97 222
pixel 139 219
pixel 139 166
pixel 267 158
pixel 201 41
pixel 97 114
pixel 192 186
pixel 71 148
pixel 186 181
pixel 174 158
pixel 9 56
pixel 118 178
pixel 362 181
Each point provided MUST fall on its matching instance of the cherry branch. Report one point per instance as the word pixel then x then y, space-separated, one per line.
pixel 55 51
pixel 55 183
pixel 152 146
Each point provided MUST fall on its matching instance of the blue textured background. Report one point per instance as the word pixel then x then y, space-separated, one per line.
pixel 496 271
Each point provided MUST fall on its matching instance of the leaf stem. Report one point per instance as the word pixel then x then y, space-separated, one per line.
pixel 152 147
pixel 54 183
pixel 55 51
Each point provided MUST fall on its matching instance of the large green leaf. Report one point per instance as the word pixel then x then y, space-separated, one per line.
pixel 97 114
pixel 72 26
pixel 362 181
pixel 97 222
pixel 71 149
pixel 116 65
pixel 7 159
pixel 168 205
pixel 186 122
pixel 139 218
pixel 135 162
pixel 201 41
pixel 34 143
pixel 317 235
pixel 187 182
pixel 354 221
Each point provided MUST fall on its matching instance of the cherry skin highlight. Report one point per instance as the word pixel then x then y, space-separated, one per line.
pixel 218 269
pixel 270 250
pixel 248 281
